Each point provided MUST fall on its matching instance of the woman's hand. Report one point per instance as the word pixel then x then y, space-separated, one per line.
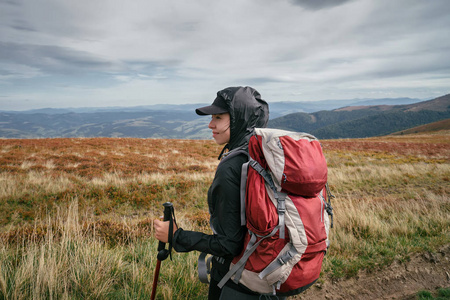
pixel 162 230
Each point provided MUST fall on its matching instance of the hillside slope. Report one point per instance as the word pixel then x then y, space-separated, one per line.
pixel 443 125
pixel 366 121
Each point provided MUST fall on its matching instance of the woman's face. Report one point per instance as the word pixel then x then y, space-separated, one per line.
pixel 220 126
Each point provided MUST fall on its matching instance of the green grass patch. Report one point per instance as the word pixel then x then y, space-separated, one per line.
pixel 440 294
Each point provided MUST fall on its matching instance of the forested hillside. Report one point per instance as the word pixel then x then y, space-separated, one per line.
pixel 366 121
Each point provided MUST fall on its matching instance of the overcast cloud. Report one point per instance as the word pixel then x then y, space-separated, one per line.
pixel 80 53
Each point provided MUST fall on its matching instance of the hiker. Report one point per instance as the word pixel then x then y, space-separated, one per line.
pixel 235 113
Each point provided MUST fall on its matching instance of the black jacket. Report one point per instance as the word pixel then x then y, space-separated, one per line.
pixel 247 111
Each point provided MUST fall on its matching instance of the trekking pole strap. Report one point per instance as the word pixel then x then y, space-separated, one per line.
pixel 169 215
pixel 163 253
pixel 172 221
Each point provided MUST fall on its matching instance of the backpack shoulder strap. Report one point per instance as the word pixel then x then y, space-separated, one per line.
pixel 243 187
pixel 233 153
pixel 243 184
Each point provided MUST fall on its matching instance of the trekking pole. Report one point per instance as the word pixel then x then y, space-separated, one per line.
pixel 163 253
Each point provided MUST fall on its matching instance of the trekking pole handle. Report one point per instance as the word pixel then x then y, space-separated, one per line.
pixel 162 251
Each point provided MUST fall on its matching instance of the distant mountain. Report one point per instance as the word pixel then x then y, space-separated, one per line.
pixel 365 121
pixel 115 109
pixel 277 109
pixel 147 124
pixel 179 121
pixel 384 101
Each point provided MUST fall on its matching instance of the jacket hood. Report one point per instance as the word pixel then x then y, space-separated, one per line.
pixel 247 112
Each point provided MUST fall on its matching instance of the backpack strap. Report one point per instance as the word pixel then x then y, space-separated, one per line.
pixel 279 196
pixel 328 206
pixel 204 264
pixel 244 172
pixel 238 268
pixel 233 153
pixel 278 263
pixel 204 267
pixel 244 169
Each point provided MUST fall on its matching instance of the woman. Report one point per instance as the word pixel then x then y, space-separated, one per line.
pixel 235 112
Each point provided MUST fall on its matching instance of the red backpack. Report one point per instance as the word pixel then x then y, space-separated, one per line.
pixel 285 209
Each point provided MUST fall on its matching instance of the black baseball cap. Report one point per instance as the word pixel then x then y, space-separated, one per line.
pixel 217 107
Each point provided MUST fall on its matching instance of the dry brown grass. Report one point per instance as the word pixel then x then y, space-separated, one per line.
pixel 76 214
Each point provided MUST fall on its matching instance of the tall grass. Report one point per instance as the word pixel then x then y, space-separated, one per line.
pixel 69 262
pixel 76 214
pixel 385 213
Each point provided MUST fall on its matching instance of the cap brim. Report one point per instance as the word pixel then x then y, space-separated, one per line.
pixel 210 110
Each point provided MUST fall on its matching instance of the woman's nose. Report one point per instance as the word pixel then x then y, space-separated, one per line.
pixel 211 124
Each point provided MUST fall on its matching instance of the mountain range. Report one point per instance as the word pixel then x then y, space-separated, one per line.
pixel 365 121
pixel 325 119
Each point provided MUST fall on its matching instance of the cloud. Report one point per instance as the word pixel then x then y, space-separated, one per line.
pixel 319 4
pixel 22 25
pixel 54 59
pixel 100 50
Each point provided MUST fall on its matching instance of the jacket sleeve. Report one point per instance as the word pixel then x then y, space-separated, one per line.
pixel 224 202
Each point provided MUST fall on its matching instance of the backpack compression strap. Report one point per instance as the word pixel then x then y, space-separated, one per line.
pixel 279 196
pixel 238 268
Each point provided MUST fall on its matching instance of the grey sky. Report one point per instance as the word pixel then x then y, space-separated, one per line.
pixel 57 53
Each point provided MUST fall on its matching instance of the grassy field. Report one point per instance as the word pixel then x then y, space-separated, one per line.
pixel 76 214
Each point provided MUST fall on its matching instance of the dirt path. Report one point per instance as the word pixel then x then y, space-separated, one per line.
pixel 428 271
